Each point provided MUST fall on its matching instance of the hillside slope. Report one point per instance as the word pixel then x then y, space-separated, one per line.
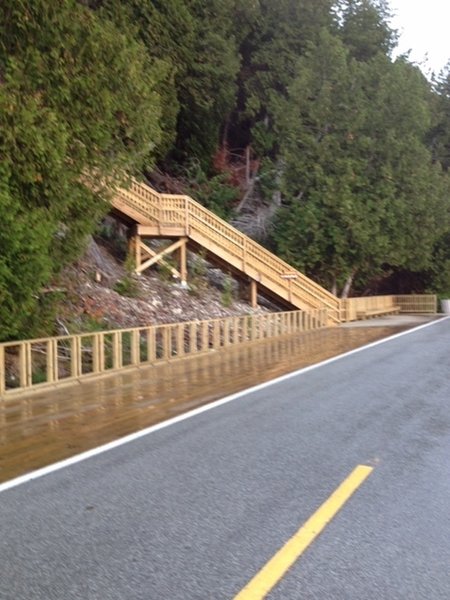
pixel 91 301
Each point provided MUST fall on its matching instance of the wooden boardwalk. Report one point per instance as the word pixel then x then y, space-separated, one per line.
pixel 44 427
pixel 190 226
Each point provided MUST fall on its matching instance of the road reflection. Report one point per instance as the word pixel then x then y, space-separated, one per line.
pixel 42 428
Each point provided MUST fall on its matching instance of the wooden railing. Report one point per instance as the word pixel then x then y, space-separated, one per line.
pixel 167 211
pixel 32 364
pixel 366 306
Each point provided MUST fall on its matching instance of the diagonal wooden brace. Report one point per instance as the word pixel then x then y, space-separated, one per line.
pixel 158 256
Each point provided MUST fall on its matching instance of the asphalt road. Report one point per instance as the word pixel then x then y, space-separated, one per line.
pixel 194 510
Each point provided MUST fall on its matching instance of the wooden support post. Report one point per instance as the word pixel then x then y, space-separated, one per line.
pixel 180 339
pixel 52 360
pixel 186 214
pixel 253 330
pixel 75 355
pixel 134 250
pixel 97 347
pixel 116 350
pixel 183 262
pixel 25 365
pixel 193 337
pixel 236 324
pixel 166 342
pixel 151 345
pixel 205 336
pixel 157 257
pixel 135 347
pixel 253 294
pixel 101 352
pixel 216 335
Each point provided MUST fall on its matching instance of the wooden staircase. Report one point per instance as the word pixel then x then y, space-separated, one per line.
pixel 177 216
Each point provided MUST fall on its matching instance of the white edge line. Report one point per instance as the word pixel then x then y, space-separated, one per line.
pixel 196 411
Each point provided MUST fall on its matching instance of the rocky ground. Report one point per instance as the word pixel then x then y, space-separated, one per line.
pixel 93 302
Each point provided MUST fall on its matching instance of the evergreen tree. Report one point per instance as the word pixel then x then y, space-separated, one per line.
pixel 208 89
pixel 278 35
pixel 362 192
pixel 78 109
pixel 365 28
pixel 439 135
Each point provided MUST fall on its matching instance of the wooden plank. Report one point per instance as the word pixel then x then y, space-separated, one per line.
pixel 157 257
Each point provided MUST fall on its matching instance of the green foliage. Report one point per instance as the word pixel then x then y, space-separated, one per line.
pixel 198 274
pixel 94 90
pixel 213 192
pixel 165 269
pixel 227 291
pixel 25 264
pixel 166 29
pixel 78 106
pixel 439 134
pixel 128 285
pixel 277 34
pixel 358 176
pixel 437 277
pixel 195 43
pixel 208 90
pixel 365 28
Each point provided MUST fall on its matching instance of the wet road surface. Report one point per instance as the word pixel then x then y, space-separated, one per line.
pixel 193 511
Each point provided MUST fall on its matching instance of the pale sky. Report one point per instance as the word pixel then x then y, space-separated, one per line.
pixel 424 27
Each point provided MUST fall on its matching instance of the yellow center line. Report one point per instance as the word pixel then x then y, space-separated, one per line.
pixel 273 571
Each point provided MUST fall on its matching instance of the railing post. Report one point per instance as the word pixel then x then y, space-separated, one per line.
pixel 180 339
pixel 252 328
pixel 151 345
pixel 235 334
pixel 226 332
pixel 216 335
pixel 101 351
pixel 205 336
pixel 117 350
pixel 75 356
pixel 166 342
pixel 135 347
pixel 52 360
pixel 193 337
pixel 183 262
pixel 186 214
pixel 25 367
pixel 97 362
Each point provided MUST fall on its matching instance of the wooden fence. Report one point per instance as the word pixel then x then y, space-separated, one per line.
pixel 168 214
pixel 370 306
pixel 30 364
pixel 417 304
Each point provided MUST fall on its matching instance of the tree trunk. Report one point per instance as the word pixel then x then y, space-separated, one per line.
pixel 348 284
pixel 334 287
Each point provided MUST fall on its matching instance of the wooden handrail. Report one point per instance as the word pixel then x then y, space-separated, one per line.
pixel 32 364
pixel 231 245
pixel 204 227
